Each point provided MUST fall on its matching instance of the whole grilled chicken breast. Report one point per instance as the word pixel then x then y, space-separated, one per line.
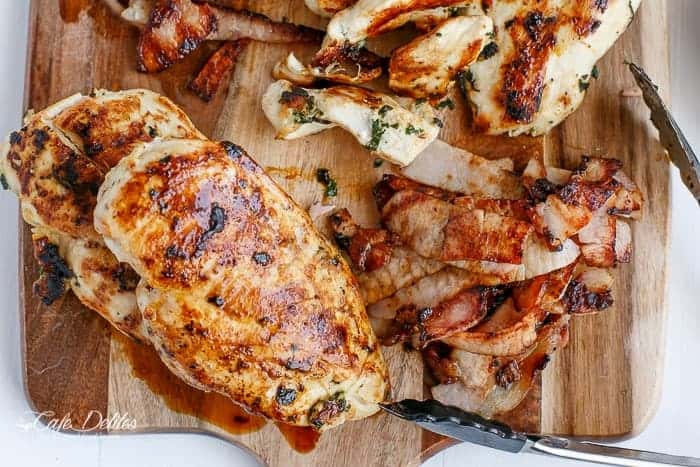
pixel 56 163
pixel 239 293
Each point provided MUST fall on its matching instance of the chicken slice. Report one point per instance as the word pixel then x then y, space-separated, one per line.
pixel 327 8
pixel 240 294
pixel 377 121
pixel 369 18
pixel 427 66
pixel 545 58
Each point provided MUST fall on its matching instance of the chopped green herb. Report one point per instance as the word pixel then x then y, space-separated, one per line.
pixel 378 129
pixel 394 125
pixel 3 182
pixel 446 103
pixel 491 34
pixel 411 130
pixel 438 34
pixel 421 101
pixel 323 176
pixel 595 73
pixel 384 109
pixel 377 162
pixel 332 189
pixel 438 123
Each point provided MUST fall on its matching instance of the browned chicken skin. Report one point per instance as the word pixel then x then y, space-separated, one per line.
pixel 240 294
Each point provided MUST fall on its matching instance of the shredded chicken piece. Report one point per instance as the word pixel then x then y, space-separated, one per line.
pixel 376 120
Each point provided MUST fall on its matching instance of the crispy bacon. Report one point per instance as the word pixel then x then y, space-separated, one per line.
pixel 567 210
pixel 479 391
pixel 369 249
pixel 438 229
pixel 402 268
pixel 447 301
pixel 590 291
pixel 220 64
pixel 469 174
pixel 175 28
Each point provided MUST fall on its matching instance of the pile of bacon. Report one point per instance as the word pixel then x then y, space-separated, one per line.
pixel 173 29
pixel 481 269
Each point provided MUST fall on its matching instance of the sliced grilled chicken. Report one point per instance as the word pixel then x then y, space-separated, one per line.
pixel 377 121
pixel 56 163
pixel 369 18
pixel 427 66
pixel 327 8
pixel 545 58
pixel 175 28
pixel 491 386
pixel 240 294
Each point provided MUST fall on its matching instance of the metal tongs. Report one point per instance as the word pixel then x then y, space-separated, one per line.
pixel 464 426
pixel 670 134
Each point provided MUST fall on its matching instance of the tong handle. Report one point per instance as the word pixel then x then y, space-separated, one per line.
pixel 610 455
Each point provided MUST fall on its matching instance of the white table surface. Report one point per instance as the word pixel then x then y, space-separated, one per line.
pixel 674 429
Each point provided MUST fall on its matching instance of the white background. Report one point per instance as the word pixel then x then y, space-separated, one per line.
pixel 674 429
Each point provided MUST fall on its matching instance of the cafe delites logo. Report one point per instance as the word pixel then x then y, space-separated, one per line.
pixel 92 422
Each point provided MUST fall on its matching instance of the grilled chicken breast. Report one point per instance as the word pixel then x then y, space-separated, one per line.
pixel 56 163
pixel 426 67
pixel 544 61
pixel 239 293
pixel 377 121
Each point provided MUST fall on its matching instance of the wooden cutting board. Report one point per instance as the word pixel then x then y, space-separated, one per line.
pixel 605 384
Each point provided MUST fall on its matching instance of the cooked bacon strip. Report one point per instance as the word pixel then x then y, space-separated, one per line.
pixel 175 28
pixel 440 230
pixel 493 386
pixel 590 291
pixel 426 67
pixel 545 291
pixel 220 64
pixel 469 174
pixel 369 249
pixel 402 268
pixel 449 301
pixel 565 211
pixel 508 331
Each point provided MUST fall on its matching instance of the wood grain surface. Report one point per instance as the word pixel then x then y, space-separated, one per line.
pixel 605 384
